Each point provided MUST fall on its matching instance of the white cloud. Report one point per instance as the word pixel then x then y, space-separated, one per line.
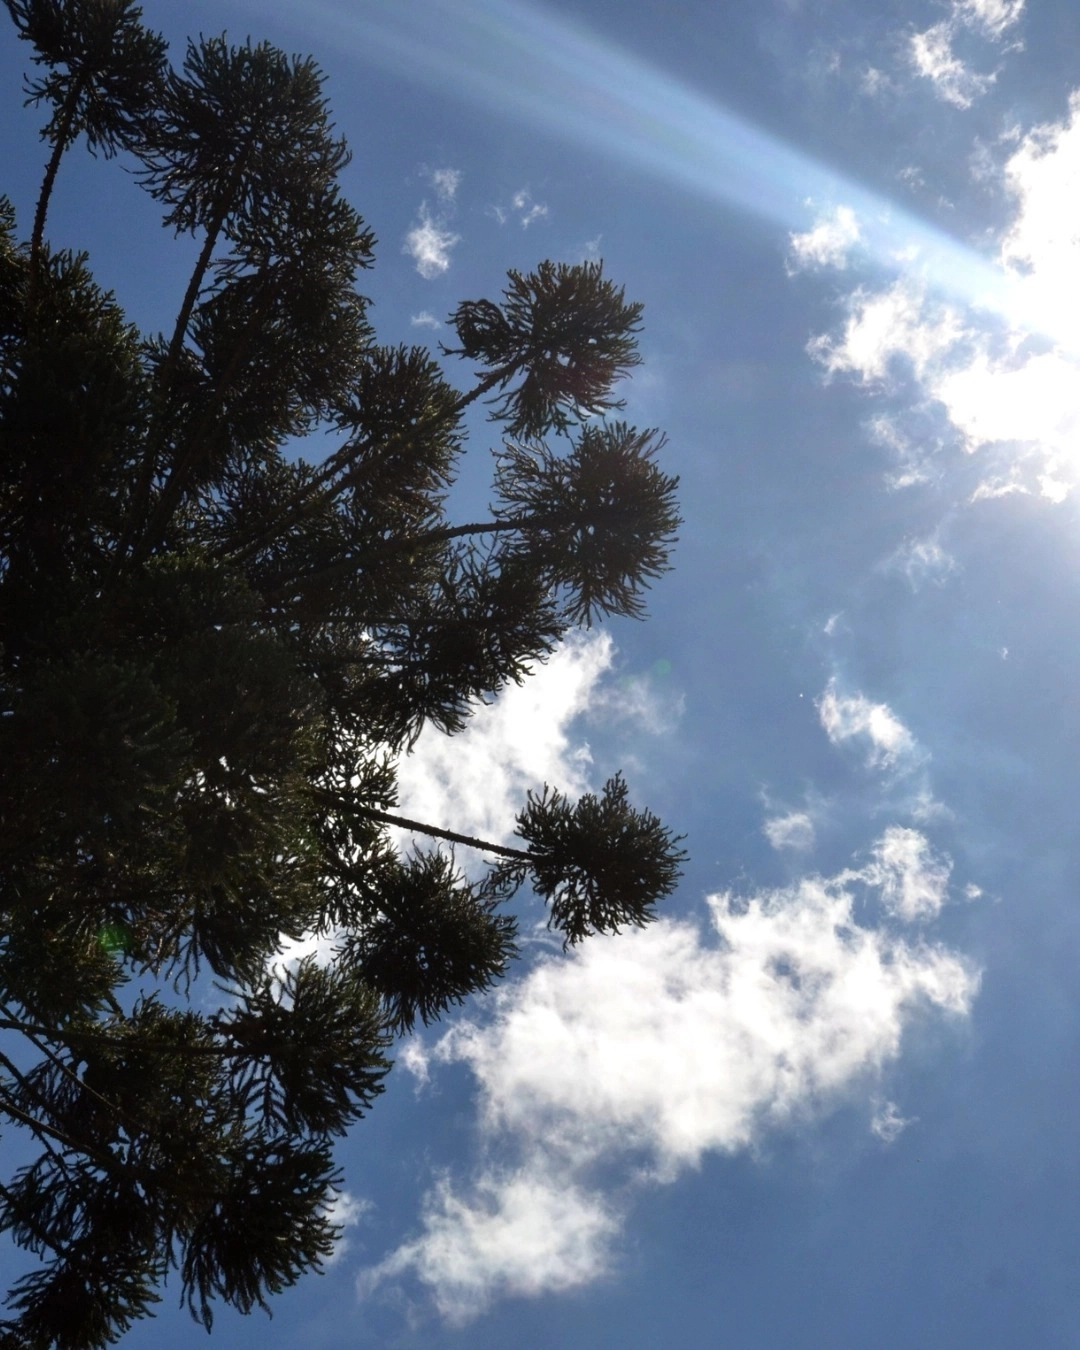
pixel 923 561
pixel 425 319
pixel 519 1233
pixel 874 82
pixel 346 1211
pixel 478 779
pixel 1002 391
pixel 794 831
pixel 932 56
pixel 913 880
pixel 446 183
pixel 1043 177
pixel 911 455
pixel 528 211
pixel 993 17
pixel 896 323
pixel 828 243
pixel 429 243
pixel 642 1053
pixel 853 717
pixel 931 52
pixel 888 1124
pixel 522 208
pixel 638 700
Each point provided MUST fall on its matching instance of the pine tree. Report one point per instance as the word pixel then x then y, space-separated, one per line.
pixel 213 654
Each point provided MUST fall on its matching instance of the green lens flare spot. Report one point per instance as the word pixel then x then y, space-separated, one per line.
pixel 662 667
pixel 115 938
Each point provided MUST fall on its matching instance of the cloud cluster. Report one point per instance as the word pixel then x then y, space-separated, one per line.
pixel 932 52
pixel 1007 389
pixel 626 1062
pixel 645 1052
pixel 522 209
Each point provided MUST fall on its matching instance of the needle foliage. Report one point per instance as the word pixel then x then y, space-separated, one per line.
pixel 213 653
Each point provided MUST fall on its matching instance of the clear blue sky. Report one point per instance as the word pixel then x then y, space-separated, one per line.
pixel 830 1100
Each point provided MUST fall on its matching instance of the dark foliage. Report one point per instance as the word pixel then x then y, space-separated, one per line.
pixel 212 654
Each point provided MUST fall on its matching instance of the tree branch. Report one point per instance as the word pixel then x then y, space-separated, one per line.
pixel 417 827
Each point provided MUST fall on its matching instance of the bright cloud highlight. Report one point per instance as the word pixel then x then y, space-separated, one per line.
pixel 1010 392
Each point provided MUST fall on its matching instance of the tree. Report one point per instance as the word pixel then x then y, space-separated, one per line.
pixel 213 653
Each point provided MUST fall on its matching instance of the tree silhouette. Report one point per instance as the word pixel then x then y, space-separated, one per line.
pixel 213 653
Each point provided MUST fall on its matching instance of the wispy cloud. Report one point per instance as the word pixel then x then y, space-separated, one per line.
pixel 888 1124
pixel 346 1211
pixel 793 830
pixel 446 183
pixel 430 241
pixel 993 17
pixel 478 779
pixel 913 880
pixel 425 319
pixel 518 1233
pixel 923 561
pixel 853 717
pixel 932 53
pixel 522 209
pixel 933 58
pixel 642 1053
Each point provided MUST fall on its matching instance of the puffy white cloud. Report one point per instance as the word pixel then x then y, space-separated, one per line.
pixel 478 779
pixel 828 243
pixel 644 1052
pixel 429 243
pixel 848 717
pixel 1012 391
pixel 1043 177
pixel 522 1232
pixel 794 830
pixel 425 319
pixel 882 326
pixel 913 880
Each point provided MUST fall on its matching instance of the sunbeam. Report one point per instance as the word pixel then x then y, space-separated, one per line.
pixel 520 60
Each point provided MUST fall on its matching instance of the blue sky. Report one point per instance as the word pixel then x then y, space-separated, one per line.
pixel 830 1098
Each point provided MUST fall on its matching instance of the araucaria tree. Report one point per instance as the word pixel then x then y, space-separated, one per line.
pixel 214 651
